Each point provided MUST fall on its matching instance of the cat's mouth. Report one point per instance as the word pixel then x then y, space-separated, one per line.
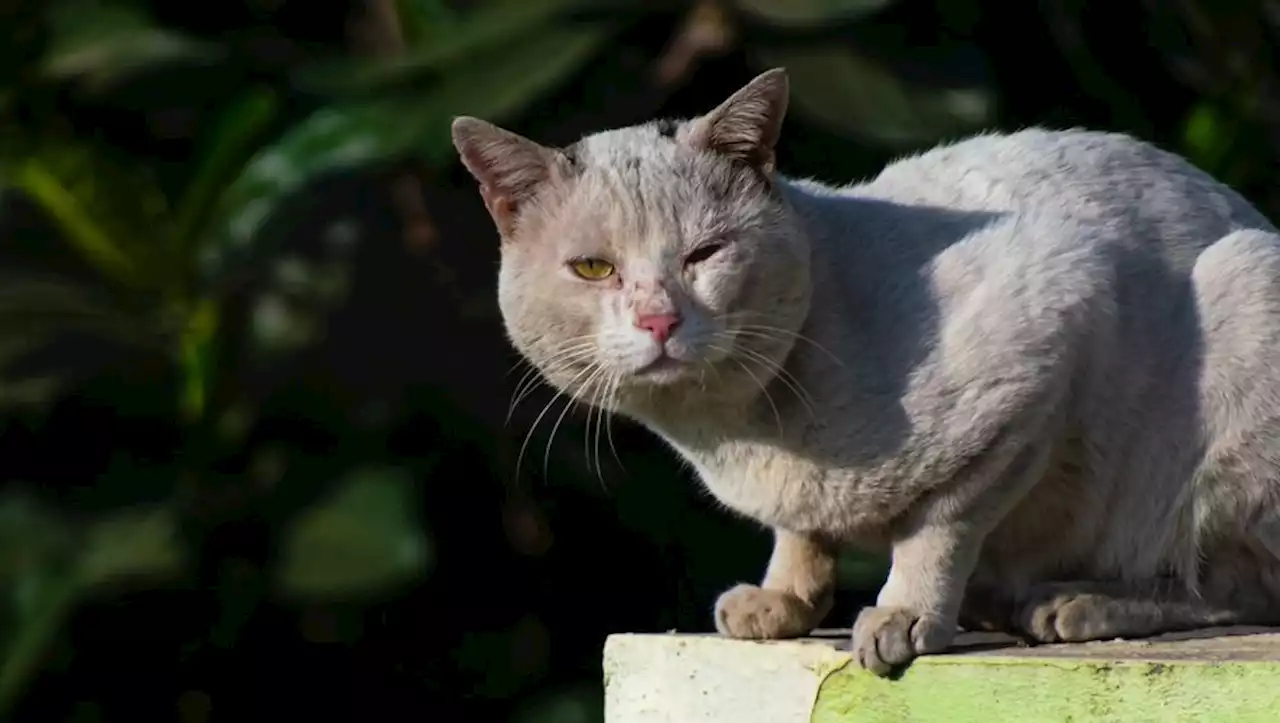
pixel 662 370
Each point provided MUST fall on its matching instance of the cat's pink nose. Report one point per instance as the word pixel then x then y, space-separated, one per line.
pixel 659 326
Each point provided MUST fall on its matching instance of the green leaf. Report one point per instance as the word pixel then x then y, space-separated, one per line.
pixel 861 571
pixel 223 155
pixel 81 228
pixel 49 565
pixel 426 22
pixel 363 539
pixel 25 390
pixel 506 81
pixel 809 13
pixel 47 305
pixel 130 543
pixel 198 358
pixel 362 132
pixel 43 605
pixel 35 311
pixel 1207 136
pixel 99 43
pixel 470 38
pixel 853 94
pixel 111 212
pixel 331 138
pixel 30 537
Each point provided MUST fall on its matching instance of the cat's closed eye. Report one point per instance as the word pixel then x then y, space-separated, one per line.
pixel 703 252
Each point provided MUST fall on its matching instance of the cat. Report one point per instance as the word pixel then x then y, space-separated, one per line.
pixel 1040 369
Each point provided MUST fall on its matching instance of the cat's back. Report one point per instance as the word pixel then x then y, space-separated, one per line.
pixel 1086 176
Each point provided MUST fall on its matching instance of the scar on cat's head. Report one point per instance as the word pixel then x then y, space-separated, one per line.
pixel 511 169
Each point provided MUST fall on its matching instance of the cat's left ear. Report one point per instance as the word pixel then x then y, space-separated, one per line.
pixel 510 168
pixel 746 127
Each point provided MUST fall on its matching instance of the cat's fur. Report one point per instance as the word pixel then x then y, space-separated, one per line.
pixel 1042 368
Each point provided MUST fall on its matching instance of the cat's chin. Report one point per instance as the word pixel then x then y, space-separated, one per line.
pixel 663 371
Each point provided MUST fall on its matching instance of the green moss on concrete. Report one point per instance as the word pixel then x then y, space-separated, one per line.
pixel 988 688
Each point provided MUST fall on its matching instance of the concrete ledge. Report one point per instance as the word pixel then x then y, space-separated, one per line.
pixel 1227 674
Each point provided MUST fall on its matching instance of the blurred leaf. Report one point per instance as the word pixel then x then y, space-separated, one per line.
pixel 854 94
pixel 48 566
pixel 30 537
pixel 470 39
pixel 197 352
pixel 359 133
pixel 128 544
pixel 110 212
pixel 506 81
pixel 363 538
pixel 25 390
pixel 808 13
pixel 861 571
pixel 100 42
pixel 35 311
pixel 31 304
pixel 427 22
pixel 331 138
pixel 223 154
pixel 69 212
pixel 35 540
pixel 1208 136
pixel 44 603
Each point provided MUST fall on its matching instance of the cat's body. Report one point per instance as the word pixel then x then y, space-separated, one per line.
pixel 1041 367
pixel 982 267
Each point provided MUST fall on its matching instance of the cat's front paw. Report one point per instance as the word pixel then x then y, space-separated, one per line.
pixel 885 638
pixel 1070 614
pixel 747 611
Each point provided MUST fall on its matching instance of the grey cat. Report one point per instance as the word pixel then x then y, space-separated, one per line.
pixel 1042 369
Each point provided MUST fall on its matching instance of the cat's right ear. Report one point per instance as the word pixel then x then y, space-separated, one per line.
pixel 509 167
pixel 746 127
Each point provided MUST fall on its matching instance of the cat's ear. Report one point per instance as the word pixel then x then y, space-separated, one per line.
pixel 509 167
pixel 747 125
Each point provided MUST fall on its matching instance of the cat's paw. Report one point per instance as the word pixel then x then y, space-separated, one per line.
pixel 747 611
pixel 1067 614
pixel 886 638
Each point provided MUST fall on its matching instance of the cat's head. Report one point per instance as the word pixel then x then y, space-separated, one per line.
pixel 655 260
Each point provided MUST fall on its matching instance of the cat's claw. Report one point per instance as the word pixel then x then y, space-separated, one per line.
pixel 751 612
pixel 887 638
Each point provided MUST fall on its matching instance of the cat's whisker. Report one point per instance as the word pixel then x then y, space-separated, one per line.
pixel 599 402
pixel 595 370
pixel 608 425
pixel 732 318
pixel 538 420
pixel 597 412
pixel 564 357
pixel 785 377
pixel 583 340
pixel 768 332
pixel 530 381
pixel 765 391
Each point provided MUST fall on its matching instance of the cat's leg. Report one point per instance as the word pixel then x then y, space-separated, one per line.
pixel 795 595
pixel 1239 585
pixel 934 554
pixel 918 608
pixel 1070 612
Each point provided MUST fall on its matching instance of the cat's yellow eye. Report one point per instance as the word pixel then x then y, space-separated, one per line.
pixel 592 269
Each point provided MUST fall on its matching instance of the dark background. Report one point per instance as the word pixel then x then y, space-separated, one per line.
pixel 254 440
